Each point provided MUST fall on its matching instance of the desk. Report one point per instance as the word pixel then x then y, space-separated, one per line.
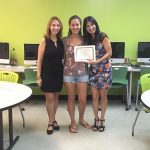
pixel 145 98
pixel 131 70
pixel 12 68
pixel 11 95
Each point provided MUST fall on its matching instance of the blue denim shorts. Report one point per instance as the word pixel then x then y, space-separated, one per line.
pixel 76 79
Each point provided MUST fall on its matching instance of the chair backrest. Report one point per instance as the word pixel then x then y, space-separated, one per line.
pixel 145 82
pixel 9 76
pixel 144 70
pixel 119 74
pixel 30 76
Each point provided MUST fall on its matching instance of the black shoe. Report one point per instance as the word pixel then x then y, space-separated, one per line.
pixel 95 126
pixel 50 131
pixel 55 125
pixel 101 127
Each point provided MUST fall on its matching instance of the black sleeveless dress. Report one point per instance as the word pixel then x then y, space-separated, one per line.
pixel 52 67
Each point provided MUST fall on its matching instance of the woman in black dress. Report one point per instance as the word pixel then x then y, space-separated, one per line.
pixel 50 69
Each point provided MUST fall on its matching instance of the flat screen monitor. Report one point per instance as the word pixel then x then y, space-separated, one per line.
pixel 30 54
pixel 4 53
pixel 143 52
pixel 118 51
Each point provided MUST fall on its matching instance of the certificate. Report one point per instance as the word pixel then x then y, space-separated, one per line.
pixel 84 53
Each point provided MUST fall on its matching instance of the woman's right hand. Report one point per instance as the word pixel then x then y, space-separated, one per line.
pixel 92 62
pixel 39 82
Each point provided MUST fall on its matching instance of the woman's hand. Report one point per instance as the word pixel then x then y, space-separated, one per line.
pixel 39 82
pixel 92 62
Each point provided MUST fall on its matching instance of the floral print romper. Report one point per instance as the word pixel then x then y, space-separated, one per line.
pixel 101 73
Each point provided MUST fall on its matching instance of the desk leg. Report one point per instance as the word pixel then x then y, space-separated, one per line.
pixel 1 131
pixel 11 140
pixel 130 89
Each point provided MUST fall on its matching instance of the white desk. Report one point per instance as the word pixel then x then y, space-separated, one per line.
pixel 145 98
pixel 11 95
pixel 131 70
pixel 12 68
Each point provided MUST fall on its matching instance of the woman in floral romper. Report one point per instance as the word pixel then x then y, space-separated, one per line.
pixel 100 69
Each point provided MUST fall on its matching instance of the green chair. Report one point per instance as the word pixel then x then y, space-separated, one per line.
pixel 143 70
pixel 11 77
pixel 30 77
pixel 119 80
pixel 145 85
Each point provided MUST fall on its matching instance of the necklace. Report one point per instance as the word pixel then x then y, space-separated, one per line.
pixel 54 41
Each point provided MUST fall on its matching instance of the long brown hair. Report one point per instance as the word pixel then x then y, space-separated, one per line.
pixel 48 31
pixel 72 18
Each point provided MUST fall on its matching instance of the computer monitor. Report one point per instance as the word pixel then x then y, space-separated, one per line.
pixel 30 54
pixel 143 52
pixel 118 52
pixel 4 53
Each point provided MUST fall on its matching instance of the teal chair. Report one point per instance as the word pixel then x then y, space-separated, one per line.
pixel 30 77
pixel 143 70
pixel 12 77
pixel 119 80
pixel 145 85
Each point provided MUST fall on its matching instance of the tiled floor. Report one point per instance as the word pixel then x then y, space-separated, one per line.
pixel 117 135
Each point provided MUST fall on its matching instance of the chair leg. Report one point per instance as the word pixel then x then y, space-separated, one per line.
pixel 124 96
pixel 137 100
pixel 22 116
pixel 137 95
pixel 136 119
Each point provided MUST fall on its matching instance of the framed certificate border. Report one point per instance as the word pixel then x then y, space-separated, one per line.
pixel 84 53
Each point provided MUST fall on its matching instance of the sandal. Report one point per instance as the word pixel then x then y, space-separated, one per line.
pixel 95 126
pixel 101 127
pixel 55 125
pixel 51 130
pixel 73 129
pixel 85 124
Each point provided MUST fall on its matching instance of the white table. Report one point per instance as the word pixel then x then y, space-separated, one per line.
pixel 145 98
pixel 11 95
pixel 12 68
pixel 131 70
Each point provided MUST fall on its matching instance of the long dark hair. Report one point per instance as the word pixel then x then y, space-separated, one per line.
pixel 72 18
pixel 87 36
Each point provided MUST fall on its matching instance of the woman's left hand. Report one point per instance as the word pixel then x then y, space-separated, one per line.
pixel 92 62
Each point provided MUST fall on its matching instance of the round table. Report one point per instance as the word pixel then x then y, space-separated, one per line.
pixel 145 98
pixel 11 95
